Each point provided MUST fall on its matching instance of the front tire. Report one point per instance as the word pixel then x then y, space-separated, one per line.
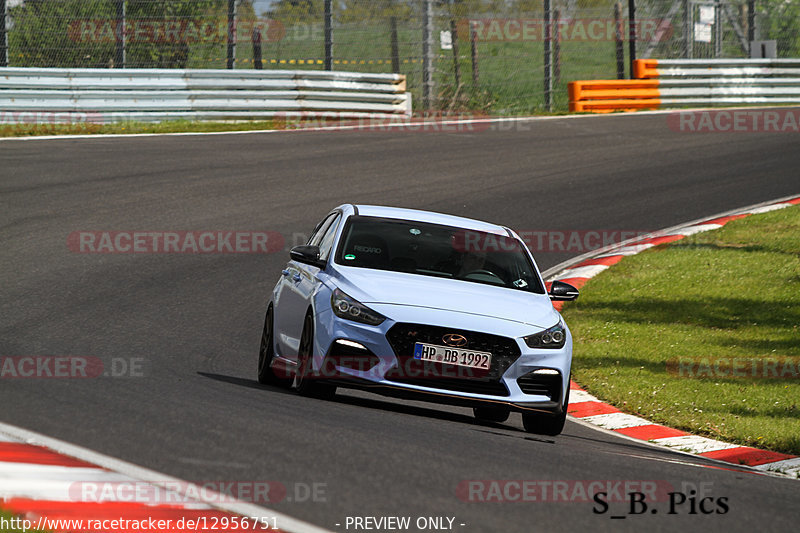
pixel 266 374
pixel 542 424
pixel 305 382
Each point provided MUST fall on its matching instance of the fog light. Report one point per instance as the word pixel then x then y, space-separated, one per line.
pixel 351 344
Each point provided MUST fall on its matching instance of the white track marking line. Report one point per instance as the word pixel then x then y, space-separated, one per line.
pixel 577 396
pixel 588 271
pixel 695 444
pixel 35 471
pixel 788 466
pixel 82 484
pixel 691 230
pixel 767 208
pixel 617 420
pixel 631 249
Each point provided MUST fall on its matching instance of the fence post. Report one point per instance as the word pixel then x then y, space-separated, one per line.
pixel 231 33
pixel 257 64
pixel 618 39
pixel 632 34
pixel 717 29
pixel 687 29
pixel 456 66
pixel 548 59
pixel 473 43
pixel 120 37
pixel 427 55
pixel 395 47
pixel 3 35
pixel 556 46
pixel 751 22
pixel 328 35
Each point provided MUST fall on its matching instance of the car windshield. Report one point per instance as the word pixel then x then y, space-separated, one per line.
pixel 438 251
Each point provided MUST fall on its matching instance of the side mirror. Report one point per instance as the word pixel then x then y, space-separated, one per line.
pixel 563 292
pixel 307 254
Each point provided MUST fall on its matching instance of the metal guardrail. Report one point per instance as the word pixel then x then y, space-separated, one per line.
pixel 714 68
pixel 686 82
pixel 110 95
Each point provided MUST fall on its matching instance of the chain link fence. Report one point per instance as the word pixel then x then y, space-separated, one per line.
pixel 483 56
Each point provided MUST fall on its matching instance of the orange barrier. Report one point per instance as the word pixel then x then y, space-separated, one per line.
pixel 645 68
pixel 604 96
pixel 691 82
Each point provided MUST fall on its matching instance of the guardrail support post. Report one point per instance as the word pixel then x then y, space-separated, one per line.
pixel 120 37
pixel 632 34
pixel 231 33
pixel 328 35
pixel 427 56
pixel 3 35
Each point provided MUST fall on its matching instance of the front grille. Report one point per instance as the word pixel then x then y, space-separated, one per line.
pixel 541 384
pixel 402 337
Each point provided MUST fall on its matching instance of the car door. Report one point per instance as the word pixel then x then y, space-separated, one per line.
pixel 293 298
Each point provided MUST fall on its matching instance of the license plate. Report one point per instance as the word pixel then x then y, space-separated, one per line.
pixel 452 356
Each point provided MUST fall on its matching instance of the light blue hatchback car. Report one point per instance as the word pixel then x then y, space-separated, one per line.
pixel 425 306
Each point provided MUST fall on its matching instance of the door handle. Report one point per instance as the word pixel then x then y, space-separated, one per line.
pixel 285 272
pixel 296 277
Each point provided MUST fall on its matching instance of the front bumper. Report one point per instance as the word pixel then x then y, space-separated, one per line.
pixel 513 383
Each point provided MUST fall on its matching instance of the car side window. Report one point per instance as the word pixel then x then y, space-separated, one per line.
pixel 326 243
pixel 322 227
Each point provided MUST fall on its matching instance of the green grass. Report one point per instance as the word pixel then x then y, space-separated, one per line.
pixel 729 293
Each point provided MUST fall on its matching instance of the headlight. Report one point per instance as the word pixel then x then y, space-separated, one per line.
pixel 346 307
pixel 550 338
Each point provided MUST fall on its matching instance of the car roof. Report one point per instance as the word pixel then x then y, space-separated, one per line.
pixel 430 217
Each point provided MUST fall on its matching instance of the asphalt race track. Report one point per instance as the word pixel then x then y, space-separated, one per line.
pixel 193 321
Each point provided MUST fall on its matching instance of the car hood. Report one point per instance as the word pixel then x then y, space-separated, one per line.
pixel 395 288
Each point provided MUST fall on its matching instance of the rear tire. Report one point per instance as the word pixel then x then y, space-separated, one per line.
pixel 543 424
pixel 266 375
pixel 305 382
pixel 491 414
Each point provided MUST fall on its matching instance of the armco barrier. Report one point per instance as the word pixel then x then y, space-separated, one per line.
pixel 110 95
pixel 663 83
